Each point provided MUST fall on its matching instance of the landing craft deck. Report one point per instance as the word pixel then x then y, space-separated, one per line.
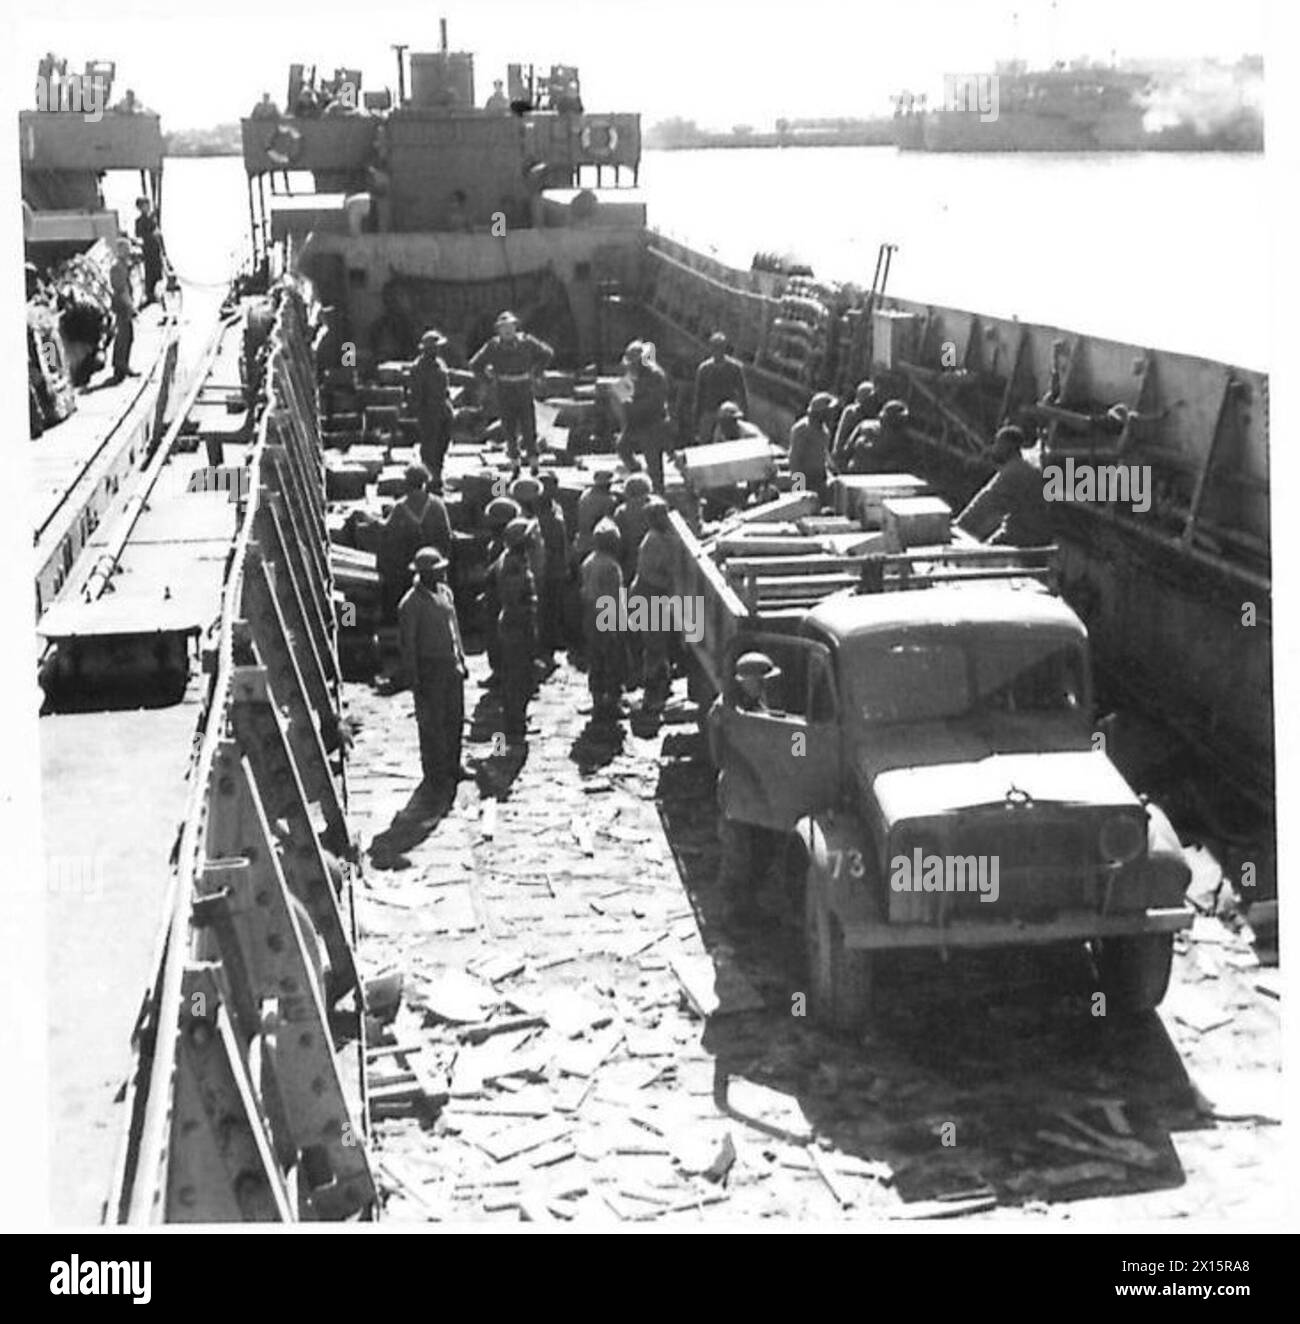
pixel 79 466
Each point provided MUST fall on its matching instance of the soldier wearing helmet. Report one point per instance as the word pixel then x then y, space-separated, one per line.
pixel 865 404
pixel 654 579
pixel 880 445
pixel 433 659
pixel 418 520
pixel 595 504
pixel 1009 509
pixel 719 380
pixel 748 851
pixel 551 589
pixel 516 627
pixel 600 582
pixel 630 518
pixel 810 444
pixel 732 424
pixel 645 416
pixel 498 515
pixel 511 361
pixel 427 387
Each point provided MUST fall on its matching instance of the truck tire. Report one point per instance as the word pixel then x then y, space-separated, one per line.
pixel 840 981
pixel 1134 971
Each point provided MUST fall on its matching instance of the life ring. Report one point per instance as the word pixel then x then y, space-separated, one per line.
pixel 285 146
pixel 603 143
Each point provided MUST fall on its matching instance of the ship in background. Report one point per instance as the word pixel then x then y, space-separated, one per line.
pixel 92 434
pixel 1088 106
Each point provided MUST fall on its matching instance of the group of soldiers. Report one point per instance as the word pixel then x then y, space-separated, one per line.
pixel 511 361
pixel 871 437
pixel 619 550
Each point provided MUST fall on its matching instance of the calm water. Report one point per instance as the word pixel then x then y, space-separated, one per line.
pixel 1159 249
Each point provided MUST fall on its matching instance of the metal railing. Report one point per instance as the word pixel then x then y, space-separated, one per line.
pixel 240 1108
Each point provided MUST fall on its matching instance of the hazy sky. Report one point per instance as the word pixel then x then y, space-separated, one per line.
pixel 718 61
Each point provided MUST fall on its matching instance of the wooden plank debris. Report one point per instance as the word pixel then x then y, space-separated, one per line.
pixel 515 1140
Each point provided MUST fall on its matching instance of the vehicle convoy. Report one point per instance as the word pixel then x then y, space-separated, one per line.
pixel 930 742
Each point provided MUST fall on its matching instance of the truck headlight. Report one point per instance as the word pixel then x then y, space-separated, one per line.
pixel 1122 838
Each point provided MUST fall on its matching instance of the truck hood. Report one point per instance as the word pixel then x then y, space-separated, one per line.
pixel 1074 777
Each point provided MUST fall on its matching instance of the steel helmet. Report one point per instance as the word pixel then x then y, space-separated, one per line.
pixel 605 537
pixel 500 511
pixel 525 488
pixel 429 558
pixel 758 665
pixel 517 532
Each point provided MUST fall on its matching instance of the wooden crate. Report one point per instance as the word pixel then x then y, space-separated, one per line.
pixel 861 496
pixel 726 463
pixel 917 521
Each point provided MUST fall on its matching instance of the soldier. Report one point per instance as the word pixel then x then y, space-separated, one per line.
pixel 434 659
pixel 719 378
pixel 810 443
pixel 654 579
pixel 732 424
pixel 149 235
pixel 595 504
pixel 511 359
pixel 864 405
pixel 630 519
pixel 265 109
pixel 1009 509
pixel 555 538
pixel 601 583
pixel 645 416
pixel 417 520
pixel 879 445
pixel 119 279
pixel 748 851
pixel 526 493
pixel 516 629
pixel 427 392
pixel 499 513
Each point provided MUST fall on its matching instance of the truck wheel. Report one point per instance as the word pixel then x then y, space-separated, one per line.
pixel 1134 971
pixel 840 980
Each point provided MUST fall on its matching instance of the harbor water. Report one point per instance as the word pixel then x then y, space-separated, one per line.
pixel 1169 250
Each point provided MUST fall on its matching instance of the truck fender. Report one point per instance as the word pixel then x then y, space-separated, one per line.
pixel 1168 872
pixel 1161 837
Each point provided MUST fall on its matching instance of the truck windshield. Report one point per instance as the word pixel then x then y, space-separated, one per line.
pixel 941 679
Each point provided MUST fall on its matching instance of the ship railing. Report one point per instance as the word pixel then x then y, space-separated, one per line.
pixel 239 1107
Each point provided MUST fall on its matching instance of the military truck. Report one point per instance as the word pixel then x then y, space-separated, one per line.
pixel 932 749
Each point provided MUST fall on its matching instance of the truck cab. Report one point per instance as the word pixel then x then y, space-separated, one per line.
pixel 935 752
